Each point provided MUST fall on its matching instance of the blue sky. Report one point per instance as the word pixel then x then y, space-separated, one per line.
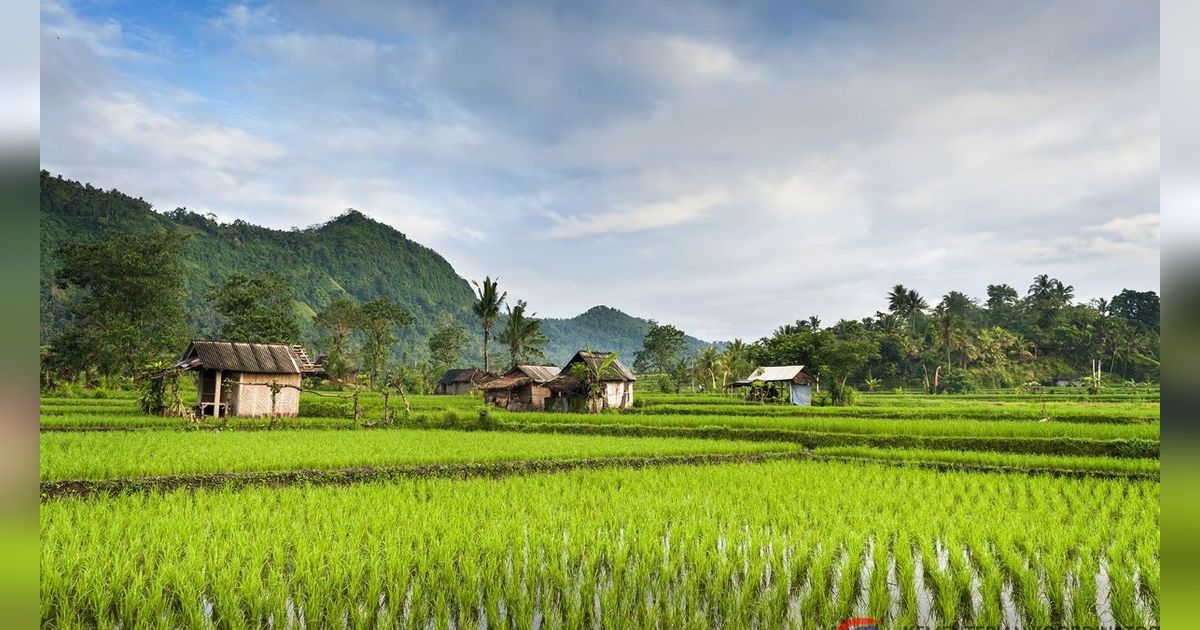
pixel 724 169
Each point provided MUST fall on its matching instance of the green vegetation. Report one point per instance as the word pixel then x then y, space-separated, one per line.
pixel 767 544
pixel 1008 461
pixel 118 454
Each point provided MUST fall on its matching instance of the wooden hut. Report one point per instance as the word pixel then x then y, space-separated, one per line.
pixel 785 382
pixel 234 378
pixel 616 379
pixel 462 381
pixel 523 388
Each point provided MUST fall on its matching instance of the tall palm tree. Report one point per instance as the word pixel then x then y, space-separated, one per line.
pixel 709 362
pixel 906 303
pixel 523 334
pixel 949 331
pixel 487 309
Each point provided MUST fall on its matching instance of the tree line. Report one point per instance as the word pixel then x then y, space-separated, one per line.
pixel 125 301
pixel 958 344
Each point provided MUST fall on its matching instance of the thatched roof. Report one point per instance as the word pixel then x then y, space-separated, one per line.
pixel 231 356
pixel 468 375
pixel 616 371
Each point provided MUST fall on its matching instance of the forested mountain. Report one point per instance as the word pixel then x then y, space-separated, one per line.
pixel 601 328
pixel 351 255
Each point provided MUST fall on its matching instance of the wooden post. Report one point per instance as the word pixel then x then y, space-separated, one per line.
pixel 217 395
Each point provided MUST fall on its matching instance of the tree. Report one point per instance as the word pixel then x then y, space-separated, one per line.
pixel 839 359
pixel 376 321
pixel 337 321
pixel 523 335
pixel 948 329
pixel 907 303
pixel 446 345
pixel 736 359
pixel 258 308
pixel 487 309
pixel 125 299
pixel 1140 308
pixel 661 349
pixel 709 363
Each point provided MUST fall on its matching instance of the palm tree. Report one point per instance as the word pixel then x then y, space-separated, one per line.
pixel 487 309
pixel 949 331
pixel 523 334
pixel 709 362
pixel 906 303
pixel 736 357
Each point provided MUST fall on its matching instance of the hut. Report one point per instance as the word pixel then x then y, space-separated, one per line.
pixel 616 380
pixel 462 381
pixel 790 382
pixel 523 388
pixel 234 378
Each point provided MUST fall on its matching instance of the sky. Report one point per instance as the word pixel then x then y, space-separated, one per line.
pixel 726 169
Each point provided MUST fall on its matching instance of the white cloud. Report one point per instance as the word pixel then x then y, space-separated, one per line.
pixel 649 216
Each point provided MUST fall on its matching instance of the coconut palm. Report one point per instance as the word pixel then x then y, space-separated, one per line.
pixel 709 362
pixel 523 334
pixel 906 303
pixel 487 309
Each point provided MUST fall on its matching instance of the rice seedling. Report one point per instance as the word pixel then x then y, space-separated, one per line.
pixel 731 545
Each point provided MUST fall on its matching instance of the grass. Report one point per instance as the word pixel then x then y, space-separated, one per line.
pixel 126 454
pixel 1013 461
pixel 850 424
pixel 680 547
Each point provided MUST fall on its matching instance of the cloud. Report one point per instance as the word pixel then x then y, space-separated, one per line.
pixel 763 164
pixel 642 217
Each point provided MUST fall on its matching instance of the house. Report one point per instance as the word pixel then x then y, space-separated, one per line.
pixel 462 381
pixel 235 379
pixel 616 379
pixel 523 388
pixel 792 379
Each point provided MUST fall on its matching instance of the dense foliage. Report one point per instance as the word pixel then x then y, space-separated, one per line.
pixel 960 345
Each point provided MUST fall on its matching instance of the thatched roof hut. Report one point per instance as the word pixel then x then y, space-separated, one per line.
pixel 235 378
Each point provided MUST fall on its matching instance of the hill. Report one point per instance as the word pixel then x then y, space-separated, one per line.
pixel 601 328
pixel 351 255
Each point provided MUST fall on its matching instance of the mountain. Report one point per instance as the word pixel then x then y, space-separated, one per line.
pixel 601 328
pixel 350 255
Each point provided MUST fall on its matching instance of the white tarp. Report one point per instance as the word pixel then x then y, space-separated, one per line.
pixel 801 394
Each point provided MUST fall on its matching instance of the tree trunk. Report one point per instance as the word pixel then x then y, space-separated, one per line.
pixel 486 330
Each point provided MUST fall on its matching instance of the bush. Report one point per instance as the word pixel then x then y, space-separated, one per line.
pixel 959 382
pixel 666 385
pixel 822 399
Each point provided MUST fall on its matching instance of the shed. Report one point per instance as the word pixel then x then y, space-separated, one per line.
pixel 523 388
pixel 796 380
pixel 463 381
pixel 234 378
pixel 616 378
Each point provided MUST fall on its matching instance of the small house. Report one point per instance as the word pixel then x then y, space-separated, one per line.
pixel 790 382
pixel 462 381
pixel 616 379
pixel 523 388
pixel 235 379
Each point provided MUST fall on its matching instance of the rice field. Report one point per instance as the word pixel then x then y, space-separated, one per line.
pixel 125 454
pixel 692 511
pixel 769 545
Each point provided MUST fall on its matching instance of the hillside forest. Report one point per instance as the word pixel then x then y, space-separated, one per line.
pixel 123 288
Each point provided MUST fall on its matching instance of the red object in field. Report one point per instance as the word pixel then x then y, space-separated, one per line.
pixel 859 623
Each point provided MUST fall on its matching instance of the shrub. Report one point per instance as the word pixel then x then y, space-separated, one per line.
pixel 822 399
pixel 959 382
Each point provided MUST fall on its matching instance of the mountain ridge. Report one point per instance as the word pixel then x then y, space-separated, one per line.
pixel 351 254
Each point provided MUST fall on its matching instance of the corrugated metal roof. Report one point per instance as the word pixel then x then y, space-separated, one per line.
pixel 774 373
pixel 259 358
pixel 540 373
pixel 616 370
